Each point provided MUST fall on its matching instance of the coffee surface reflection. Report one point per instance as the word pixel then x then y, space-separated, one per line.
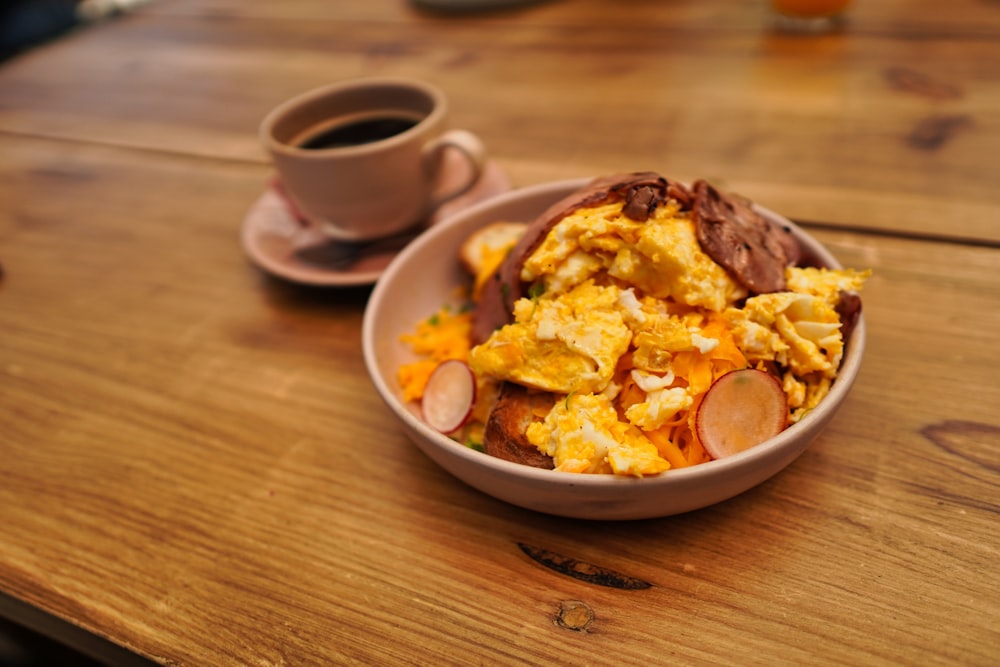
pixel 358 132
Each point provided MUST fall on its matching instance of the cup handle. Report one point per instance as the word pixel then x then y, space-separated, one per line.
pixel 469 146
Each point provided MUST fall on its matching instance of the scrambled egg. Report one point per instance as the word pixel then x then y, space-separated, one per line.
pixel 799 330
pixel 630 323
pixel 565 345
pixel 583 434
pixel 661 257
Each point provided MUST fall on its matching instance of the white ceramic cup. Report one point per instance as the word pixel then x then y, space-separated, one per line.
pixel 362 159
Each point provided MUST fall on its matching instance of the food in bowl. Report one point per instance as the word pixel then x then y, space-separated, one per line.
pixel 636 326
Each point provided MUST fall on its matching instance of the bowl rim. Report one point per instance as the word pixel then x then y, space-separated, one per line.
pixel 758 454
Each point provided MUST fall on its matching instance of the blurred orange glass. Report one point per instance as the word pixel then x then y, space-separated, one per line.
pixel 808 9
pixel 809 15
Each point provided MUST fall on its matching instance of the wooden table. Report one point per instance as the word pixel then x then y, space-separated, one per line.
pixel 196 469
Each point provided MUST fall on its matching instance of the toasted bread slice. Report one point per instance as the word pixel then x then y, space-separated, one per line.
pixel 516 407
pixel 485 249
pixel 486 243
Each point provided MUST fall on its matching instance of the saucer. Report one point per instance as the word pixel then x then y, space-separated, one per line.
pixel 277 241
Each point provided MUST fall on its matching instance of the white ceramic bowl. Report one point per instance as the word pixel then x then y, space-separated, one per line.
pixel 425 276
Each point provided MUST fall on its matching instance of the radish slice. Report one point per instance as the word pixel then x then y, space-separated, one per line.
pixel 449 396
pixel 741 409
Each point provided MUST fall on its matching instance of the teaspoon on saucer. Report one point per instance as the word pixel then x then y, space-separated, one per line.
pixel 310 245
pixel 282 244
pixel 338 254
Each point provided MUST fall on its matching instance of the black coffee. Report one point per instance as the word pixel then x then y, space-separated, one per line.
pixel 355 133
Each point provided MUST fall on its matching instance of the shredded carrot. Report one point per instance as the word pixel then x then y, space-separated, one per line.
pixel 630 395
pixel 442 336
pixel 661 437
pixel 413 378
pixel 693 449
pixel 701 369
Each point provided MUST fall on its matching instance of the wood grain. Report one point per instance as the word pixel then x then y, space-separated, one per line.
pixel 849 129
pixel 196 468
